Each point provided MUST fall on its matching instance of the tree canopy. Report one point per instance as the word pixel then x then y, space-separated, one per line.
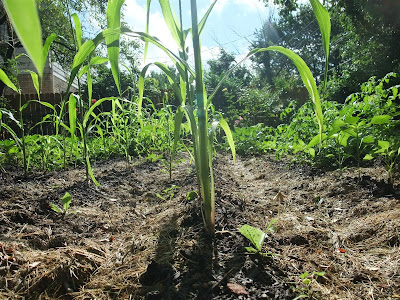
pixel 365 39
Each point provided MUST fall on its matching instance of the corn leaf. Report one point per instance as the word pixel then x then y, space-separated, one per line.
pixel 205 17
pixel 98 60
pixel 46 46
pixel 13 134
pixel 72 114
pixel 112 41
pixel 171 79
pixel 78 30
pixel 25 105
pixel 83 71
pixel 224 125
pixel 141 88
pixel 177 128
pixel 307 78
pixel 93 107
pixel 254 235
pixel 25 19
pixel 171 21
pixel 66 201
pixel 91 174
pixel 56 208
pixel 35 80
pixel 324 23
pixel 89 85
pixel 146 45
pixel 7 81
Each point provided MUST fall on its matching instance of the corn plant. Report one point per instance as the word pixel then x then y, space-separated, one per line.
pixel 66 202
pixel 256 236
pixel 195 104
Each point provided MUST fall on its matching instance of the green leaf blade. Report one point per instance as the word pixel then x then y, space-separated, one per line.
pixel 72 114
pixel 381 119
pixel 112 41
pixel 254 235
pixel 25 19
pixel 7 81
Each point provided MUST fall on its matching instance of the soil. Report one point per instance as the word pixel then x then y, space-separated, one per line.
pixel 135 237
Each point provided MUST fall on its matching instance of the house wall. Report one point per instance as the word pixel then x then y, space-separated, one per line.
pixel 55 79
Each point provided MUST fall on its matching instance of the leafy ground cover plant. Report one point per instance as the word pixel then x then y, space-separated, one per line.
pixel 307 279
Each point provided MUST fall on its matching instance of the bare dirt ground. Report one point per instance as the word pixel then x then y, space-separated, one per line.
pixel 135 237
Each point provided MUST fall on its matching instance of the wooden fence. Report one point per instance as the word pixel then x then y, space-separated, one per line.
pixel 34 112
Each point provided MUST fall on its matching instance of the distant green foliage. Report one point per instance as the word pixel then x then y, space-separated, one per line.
pixel 366 126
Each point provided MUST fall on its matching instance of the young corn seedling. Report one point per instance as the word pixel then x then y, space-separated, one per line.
pixel 66 202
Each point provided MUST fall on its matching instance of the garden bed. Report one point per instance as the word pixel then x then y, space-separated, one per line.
pixel 135 237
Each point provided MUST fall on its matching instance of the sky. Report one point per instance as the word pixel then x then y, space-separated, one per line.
pixel 231 24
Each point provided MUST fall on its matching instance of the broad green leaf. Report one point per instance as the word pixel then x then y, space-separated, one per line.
pixel 192 195
pixel 382 119
pixel 229 137
pixel 72 114
pixel 112 41
pixel 78 30
pixel 324 23
pixel 310 151
pixel 35 80
pixel 350 131
pixel 352 120
pixel 339 124
pixel 395 91
pixel 25 19
pixel 368 157
pixel 368 139
pixel 304 275
pixel 316 140
pixel 384 146
pixel 344 137
pixel 7 81
pixel 254 235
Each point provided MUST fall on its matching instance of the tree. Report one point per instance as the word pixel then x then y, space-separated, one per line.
pixel 232 85
pixel 365 39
